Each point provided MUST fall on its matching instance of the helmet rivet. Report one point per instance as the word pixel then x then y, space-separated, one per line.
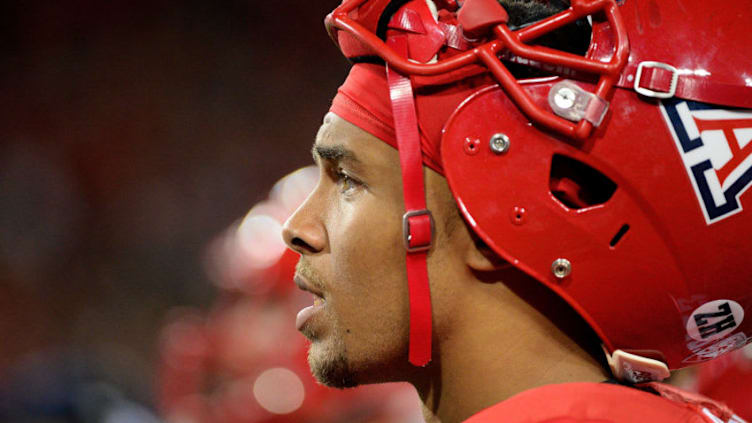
pixel 565 97
pixel 499 143
pixel 472 145
pixel 561 268
pixel 518 215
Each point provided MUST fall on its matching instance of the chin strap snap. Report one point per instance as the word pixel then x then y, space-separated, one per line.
pixel 417 223
pixel 634 368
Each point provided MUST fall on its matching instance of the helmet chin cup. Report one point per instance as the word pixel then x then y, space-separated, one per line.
pixel 634 368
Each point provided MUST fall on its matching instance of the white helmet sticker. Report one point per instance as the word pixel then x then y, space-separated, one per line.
pixel 714 320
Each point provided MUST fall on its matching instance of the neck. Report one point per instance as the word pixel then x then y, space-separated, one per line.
pixel 503 347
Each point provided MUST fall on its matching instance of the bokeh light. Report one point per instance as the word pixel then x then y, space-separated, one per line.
pixel 293 189
pixel 279 391
pixel 259 238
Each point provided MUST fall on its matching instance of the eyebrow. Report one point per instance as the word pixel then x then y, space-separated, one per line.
pixel 333 153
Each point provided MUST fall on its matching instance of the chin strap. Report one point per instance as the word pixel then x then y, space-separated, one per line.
pixel 417 222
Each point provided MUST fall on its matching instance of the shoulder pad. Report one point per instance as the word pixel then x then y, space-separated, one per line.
pixel 593 403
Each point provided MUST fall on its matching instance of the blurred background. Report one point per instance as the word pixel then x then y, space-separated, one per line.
pixel 149 152
pixel 134 138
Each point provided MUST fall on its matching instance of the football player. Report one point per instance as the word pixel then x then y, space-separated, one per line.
pixel 522 200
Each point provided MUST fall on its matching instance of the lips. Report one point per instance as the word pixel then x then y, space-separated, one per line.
pixel 318 302
pixel 304 285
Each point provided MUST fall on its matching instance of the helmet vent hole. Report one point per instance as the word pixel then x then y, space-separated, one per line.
pixel 619 235
pixel 576 185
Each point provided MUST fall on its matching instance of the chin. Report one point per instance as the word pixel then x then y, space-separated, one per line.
pixel 331 368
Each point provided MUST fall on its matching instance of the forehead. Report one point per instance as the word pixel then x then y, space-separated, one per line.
pixel 335 130
pixel 347 141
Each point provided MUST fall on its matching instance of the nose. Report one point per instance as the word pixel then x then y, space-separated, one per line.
pixel 304 231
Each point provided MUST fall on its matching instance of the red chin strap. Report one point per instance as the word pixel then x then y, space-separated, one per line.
pixel 417 222
pixel 362 100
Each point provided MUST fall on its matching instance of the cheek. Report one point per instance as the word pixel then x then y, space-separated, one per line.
pixel 368 260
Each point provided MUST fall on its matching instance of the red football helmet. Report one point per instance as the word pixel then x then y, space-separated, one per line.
pixel 618 180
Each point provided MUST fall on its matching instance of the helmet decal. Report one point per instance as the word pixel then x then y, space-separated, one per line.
pixel 715 320
pixel 714 144
pixel 710 350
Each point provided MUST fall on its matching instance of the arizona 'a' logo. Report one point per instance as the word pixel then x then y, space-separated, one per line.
pixel 716 148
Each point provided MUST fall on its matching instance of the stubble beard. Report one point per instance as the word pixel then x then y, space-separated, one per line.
pixel 330 367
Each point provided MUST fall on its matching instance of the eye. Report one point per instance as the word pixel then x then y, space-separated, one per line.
pixel 346 182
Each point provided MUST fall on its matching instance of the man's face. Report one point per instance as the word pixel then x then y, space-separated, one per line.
pixel 350 237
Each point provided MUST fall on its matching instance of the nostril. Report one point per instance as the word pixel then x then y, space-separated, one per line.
pixel 301 246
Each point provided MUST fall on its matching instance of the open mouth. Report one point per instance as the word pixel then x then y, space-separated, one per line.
pixel 307 313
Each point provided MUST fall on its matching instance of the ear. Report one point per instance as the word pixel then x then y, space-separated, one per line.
pixel 481 258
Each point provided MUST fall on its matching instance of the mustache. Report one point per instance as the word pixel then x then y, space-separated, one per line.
pixel 305 270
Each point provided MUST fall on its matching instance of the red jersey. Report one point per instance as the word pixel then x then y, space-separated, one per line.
pixel 606 403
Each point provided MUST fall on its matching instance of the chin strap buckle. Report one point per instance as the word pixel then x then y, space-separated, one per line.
pixel 418 230
pixel 656 79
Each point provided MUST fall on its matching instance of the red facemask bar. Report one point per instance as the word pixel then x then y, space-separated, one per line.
pixel 487 18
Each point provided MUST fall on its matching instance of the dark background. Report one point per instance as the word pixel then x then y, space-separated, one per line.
pixel 131 134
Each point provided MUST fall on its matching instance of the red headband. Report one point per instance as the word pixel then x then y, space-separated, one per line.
pixel 363 100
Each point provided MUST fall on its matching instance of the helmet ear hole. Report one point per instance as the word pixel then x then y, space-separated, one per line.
pixel 576 185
